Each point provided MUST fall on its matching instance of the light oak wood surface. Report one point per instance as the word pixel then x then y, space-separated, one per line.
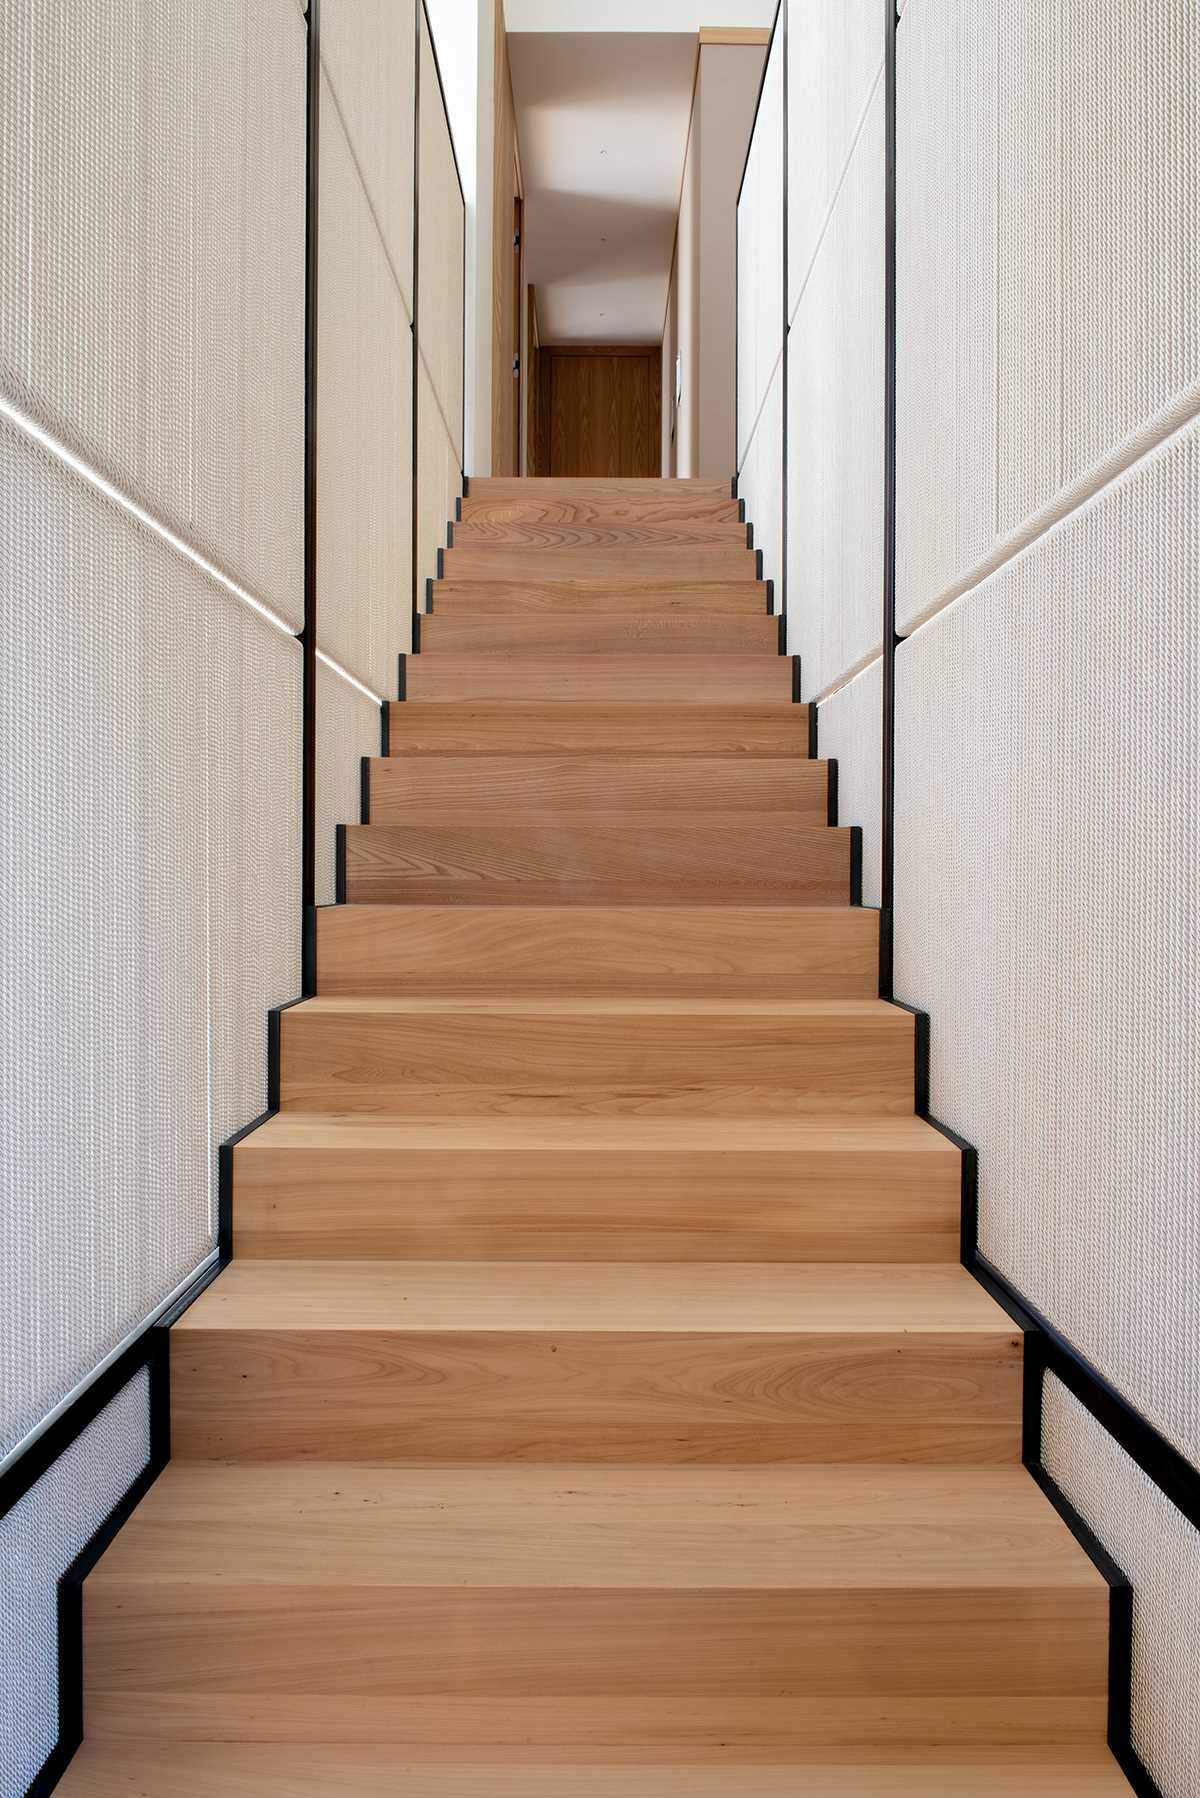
pixel 480 728
pixel 595 1403
pixel 624 679
pixel 509 561
pixel 200 1770
pixel 713 951
pixel 573 629
pixel 639 600
pixel 657 534
pixel 448 789
pixel 639 1057
pixel 588 504
pixel 626 1190
pixel 604 859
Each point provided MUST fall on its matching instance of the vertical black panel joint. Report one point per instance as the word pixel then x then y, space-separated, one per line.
pixel 339 867
pixel 796 684
pixel 364 789
pixel 812 732
pixel 402 677
pixel 831 792
pixel 856 864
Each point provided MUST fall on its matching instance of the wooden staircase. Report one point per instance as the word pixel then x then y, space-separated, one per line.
pixel 595 1404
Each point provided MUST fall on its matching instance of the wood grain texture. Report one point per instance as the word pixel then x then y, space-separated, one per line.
pixel 611 859
pixel 336 1188
pixel 456 789
pixel 508 562
pixel 565 1528
pixel 539 728
pixel 713 951
pixel 571 1361
pixel 359 1770
pixel 428 1057
pixel 588 504
pixel 659 534
pixel 575 630
pixel 605 404
pixel 632 598
pixel 691 680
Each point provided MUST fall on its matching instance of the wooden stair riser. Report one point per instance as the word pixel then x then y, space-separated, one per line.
pixel 620 1664
pixel 714 951
pixel 638 602
pixel 600 536
pixel 599 861
pixel 562 789
pixel 548 729
pixel 602 509
pixel 577 630
pixel 627 679
pixel 415 1396
pixel 604 489
pixel 507 562
pixel 539 1062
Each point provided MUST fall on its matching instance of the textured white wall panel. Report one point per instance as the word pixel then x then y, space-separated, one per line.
pixel 439 479
pixel 849 730
pixel 836 431
pixel 1047 792
pixel 835 54
pixel 760 483
pixel 1159 1553
pixel 946 138
pixel 368 54
pixel 150 777
pixel 152 260
pixel 39 1539
pixel 1048 215
pixel 364 449
pixel 760 297
pixel 440 290
pixel 348 727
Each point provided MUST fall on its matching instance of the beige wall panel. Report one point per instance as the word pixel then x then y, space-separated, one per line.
pixel 440 242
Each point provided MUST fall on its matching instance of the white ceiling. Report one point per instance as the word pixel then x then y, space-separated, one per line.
pixel 602 119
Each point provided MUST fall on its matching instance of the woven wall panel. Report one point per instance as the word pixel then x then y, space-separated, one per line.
pixel 1048 213
pixel 440 294
pixel 760 297
pixel 945 295
pixel 368 54
pixel 39 1538
pixel 152 260
pixel 348 727
pixel 836 430
pixel 1159 1553
pixel 364 408
pixel 835 55
pixel 1047 792
pixel 760 483
pixel 849 731
pixel 149 793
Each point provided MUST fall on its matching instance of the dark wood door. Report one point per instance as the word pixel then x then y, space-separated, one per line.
pixel 605 409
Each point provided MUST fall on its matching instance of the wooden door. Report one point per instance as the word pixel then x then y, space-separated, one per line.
pixel 605 408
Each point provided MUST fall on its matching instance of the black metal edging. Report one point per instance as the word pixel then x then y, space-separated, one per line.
pixel 308 635
pixel 887 819
pixel 1047 1350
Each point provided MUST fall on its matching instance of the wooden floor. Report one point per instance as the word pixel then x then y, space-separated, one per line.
pixel 596 1404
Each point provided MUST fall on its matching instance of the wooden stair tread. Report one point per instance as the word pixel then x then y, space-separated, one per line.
pixel 637 1005
pixel 569 630
pixel 884 1136
pixel 509 561
pixel 580 1526
pixel 371 1770
pixel 492 487
pixel 564 1298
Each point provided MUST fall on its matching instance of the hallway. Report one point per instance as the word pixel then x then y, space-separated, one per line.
pixel 601 945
